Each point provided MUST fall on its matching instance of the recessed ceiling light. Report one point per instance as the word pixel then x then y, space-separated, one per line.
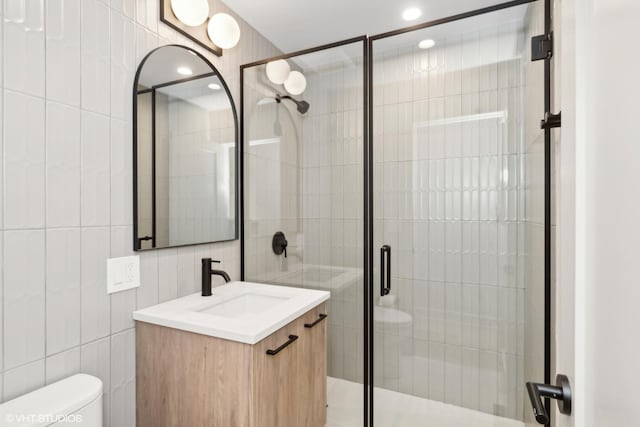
pixel 411 14
pixel 185 71
pixel 426 44
pixel 214 86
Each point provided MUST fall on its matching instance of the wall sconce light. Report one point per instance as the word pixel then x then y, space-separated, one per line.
pixel 189 17
pixel 279 72
pixel 296 83
pixel 192 13
pixel 223 30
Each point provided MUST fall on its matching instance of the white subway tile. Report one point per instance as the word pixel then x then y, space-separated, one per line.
pixel 121 241
pixel 24 56
pixel 62 365
pixel 24 161
pixel 23 379
pixel 471 378
pixel 453 315
pixel 489 381
pixel 421 368
pixel 471 315
pixel 436 371
pixel 147 293
pixel 123 379
pixel 121 173
pixel 63 166
pixel 95 57
pixel 95 170
pixel 24 297
pixel 63 289
pixel 95 359
pixel 453 374
pixel 63 51
pixel 437 312
pixel 123 304
pixel 122 65
pixel 167 275
pixel 95 300
pixel 145 40
pixel 186 270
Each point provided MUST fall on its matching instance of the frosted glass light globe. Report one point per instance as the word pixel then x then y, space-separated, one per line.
pixel 278 71
pixel 223 30
pixel 296 83
pixel 191 12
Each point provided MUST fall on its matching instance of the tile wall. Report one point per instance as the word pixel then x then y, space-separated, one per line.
pixel 332 201
pixel 67 71
pixel 272 158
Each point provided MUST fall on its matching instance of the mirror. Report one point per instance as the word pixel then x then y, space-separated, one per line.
pixel 185 152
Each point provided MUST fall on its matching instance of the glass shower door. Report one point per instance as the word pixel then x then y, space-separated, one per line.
pixel 303 184
pixel 457 189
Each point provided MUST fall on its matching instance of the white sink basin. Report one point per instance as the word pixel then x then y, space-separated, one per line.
pixel 238 311
pixel 242 305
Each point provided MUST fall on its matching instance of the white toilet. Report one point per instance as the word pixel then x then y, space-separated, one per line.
pixel 74 401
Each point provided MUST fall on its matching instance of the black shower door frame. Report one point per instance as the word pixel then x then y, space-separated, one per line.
pixel 368 251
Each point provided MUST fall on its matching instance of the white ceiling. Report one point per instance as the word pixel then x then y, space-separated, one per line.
pixel 299 24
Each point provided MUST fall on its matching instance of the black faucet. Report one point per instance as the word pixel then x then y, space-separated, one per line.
pixel 207 272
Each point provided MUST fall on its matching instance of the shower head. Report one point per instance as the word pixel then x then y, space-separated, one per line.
pixel 302 106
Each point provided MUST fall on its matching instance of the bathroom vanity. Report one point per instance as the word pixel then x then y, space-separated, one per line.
pixel 250 355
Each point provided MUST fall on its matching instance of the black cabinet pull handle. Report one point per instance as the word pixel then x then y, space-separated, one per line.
pixel 320 318
pixel 292 338
pixel 561 392
pixel 385 271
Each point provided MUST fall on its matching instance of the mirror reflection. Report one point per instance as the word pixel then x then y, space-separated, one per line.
pixel 185 152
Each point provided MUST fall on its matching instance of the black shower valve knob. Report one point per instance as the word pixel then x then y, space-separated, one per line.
pixel 279 243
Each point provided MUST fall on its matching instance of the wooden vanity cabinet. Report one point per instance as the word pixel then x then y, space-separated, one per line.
pixel 190 379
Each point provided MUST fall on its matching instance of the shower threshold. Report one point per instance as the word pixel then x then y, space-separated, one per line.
pixel 402 410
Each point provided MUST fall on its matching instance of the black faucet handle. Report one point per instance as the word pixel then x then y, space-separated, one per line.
pixel 279 243
pixel 216 261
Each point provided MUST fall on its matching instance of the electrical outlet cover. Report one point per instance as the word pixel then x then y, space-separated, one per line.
pixel 123 273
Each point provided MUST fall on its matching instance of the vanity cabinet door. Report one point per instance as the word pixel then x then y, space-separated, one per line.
pixel 312 361
pixel 276 378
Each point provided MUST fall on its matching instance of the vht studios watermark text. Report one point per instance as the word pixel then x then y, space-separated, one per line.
pixel 42 418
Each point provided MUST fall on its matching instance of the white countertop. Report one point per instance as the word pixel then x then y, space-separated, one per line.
pixel 238 311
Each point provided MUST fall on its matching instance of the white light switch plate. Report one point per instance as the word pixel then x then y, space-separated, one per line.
pixel 123 273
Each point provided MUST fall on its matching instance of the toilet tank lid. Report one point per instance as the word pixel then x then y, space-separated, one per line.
pixel 61 398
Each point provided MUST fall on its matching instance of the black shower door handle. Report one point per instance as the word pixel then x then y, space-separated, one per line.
pixel 385 270
pixel 561 392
